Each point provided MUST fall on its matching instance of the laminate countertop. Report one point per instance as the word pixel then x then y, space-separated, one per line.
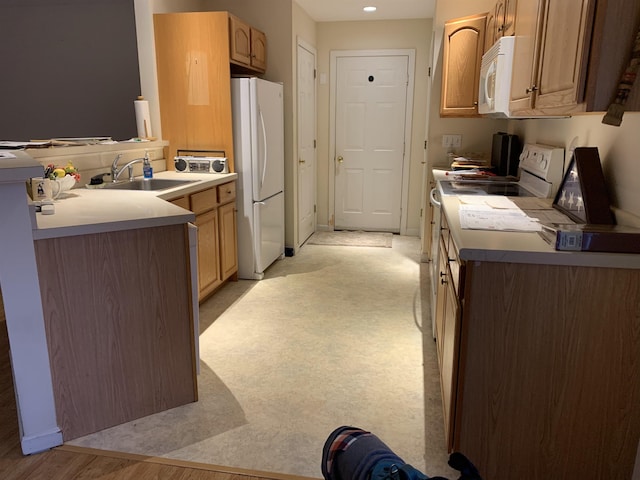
pixel 522 247
pixel 82 211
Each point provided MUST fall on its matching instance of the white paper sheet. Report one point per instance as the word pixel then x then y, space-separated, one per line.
pixel 483 215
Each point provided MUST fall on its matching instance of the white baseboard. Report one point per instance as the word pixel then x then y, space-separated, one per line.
pixel 42 442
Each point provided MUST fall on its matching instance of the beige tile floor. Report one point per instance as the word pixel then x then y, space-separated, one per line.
pixel 330 337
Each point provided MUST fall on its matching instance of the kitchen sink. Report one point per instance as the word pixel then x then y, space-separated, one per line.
pixel 151 184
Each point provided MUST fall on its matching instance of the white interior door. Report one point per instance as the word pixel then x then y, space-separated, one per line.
pixel 306 143
pixel 370 121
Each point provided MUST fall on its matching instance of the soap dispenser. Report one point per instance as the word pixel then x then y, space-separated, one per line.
pixel 147 169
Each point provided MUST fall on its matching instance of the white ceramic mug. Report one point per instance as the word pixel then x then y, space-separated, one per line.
pixel 45 189
pixel 41 189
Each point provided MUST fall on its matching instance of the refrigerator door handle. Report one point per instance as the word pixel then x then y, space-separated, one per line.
pixel 264 150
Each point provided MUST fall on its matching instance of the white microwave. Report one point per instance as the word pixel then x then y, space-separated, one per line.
pixel 495 79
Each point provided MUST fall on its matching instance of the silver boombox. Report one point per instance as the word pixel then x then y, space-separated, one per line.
pixel 192 164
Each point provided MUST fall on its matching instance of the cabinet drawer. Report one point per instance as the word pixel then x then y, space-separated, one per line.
pixel 204 200
pixel 226 192
pixel 181 202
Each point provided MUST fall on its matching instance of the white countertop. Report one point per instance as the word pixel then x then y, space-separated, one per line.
pixel 17 165
pixel 522 247
pixel 82 211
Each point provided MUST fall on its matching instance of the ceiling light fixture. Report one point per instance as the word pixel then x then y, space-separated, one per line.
pixel 369 9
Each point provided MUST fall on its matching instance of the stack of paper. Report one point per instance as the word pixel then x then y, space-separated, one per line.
pixel 494 213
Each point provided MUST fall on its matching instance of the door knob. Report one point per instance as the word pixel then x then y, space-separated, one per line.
pixel 340 159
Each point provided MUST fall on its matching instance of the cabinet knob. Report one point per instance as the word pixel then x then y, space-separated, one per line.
pixel 532 89
pixel 301 160
pixel 443 281
pixel 340 159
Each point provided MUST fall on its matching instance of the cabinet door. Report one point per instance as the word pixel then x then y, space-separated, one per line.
pixel 450 355
pixel 491 27
pixel 194 81
pixel 525 54
pixel 440 300
pixel 462 57
pixel 208 253
pixel 258 50
pixel 228 240
pixel 509 24
pixel 499 12
pixel 240 41
pixel 562 68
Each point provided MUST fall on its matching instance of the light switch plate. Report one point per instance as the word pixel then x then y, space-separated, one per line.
pixel 451 141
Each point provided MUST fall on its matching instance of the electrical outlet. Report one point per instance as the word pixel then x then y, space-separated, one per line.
pixel 451 141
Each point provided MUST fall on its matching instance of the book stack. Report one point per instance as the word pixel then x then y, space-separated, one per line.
pixel 592 237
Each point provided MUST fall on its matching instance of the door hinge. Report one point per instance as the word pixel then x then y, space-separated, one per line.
pixel 314 143
pixel 315 209
pixel 425 144
pixel 421 213
pixel 314 73
pixel 429 72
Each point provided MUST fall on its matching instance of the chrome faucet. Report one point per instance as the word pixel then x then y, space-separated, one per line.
pixel 115 172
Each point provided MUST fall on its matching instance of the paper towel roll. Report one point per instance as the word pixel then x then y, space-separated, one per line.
pixel 143 119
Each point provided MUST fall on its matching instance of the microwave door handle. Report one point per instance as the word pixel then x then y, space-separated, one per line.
pixel 490 72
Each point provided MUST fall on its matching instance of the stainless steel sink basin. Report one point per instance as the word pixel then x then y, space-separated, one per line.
pixel 151 184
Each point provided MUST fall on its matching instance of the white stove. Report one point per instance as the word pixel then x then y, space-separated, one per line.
pixel 541 169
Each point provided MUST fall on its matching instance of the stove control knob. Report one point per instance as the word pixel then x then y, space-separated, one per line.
pixel 543 163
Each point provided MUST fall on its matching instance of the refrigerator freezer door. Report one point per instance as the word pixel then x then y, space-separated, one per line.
pixel 268 138
pixel 269 239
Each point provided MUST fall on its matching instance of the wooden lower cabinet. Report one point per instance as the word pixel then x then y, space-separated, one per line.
pixel 228 240
pixel 540 369
pixel 215 210
pixel 119 325
pixel 209 277
pixel 448 342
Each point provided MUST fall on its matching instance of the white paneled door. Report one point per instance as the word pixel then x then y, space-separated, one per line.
pixel 306 142
pixel 371 108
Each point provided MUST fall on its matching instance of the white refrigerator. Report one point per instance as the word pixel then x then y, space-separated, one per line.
pixel 258 142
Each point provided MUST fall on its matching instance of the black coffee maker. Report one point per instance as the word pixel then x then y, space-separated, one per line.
pixel 505 154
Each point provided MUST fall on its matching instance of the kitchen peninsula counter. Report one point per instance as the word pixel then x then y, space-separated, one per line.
pixel 82 211
pixel 117 282
pixel 539 353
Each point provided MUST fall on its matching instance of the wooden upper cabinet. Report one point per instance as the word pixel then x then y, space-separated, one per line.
pixel 240 41
pixel 491 30
pixel 509 19
pixel 258 50
pixel 500 22
pixel 194 82
pixel 525 54
pixel 248 45
pixel 464 41
pixel 550 56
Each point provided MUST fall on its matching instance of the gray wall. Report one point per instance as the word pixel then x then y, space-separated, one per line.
pixel 69 69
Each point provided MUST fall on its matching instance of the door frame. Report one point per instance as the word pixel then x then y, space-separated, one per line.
pixel 406 159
